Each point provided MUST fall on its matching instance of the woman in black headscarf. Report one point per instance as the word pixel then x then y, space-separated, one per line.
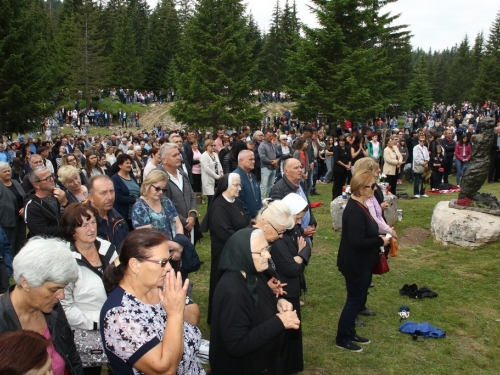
pixel 249 323
pixel 225 217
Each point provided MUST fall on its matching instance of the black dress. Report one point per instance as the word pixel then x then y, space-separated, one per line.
pixel 340 173
pixel 283 251
pixel 225 219
pixel 245 338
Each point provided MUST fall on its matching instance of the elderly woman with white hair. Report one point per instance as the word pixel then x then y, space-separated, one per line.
pixel 225 217
pixel 291 255
pixel 12 197
pixel 69 176
pixel 42 269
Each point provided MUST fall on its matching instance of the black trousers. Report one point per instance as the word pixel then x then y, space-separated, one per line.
pixel 392 180
pixel 448 163
pixel 339 179
pixel 494 172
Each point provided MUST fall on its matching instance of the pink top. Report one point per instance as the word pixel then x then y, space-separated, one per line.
pixel 58 364
pixel 196 168
pixel 383 228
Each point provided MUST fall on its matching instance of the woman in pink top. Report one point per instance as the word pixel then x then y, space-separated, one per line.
pixel 42 269
pixel 463 153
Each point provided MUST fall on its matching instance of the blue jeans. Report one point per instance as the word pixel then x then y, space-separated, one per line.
pixel 356 298
pixel 309 182
pixel 461 167
pixel 417 180
pixel 267 177
pixel 329 168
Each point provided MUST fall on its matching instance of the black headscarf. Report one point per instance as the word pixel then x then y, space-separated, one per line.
pixel 237 256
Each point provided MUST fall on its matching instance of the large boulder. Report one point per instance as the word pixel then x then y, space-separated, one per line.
pixel 464 228
pixel 336 210
pixel 338 204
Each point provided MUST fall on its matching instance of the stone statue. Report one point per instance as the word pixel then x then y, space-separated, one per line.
pixel 477 171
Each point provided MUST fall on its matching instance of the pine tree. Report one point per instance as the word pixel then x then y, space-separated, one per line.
pixel 126 69
pixel 185 10
pixel 163 44
pixel 460 79
pixel 81 51
pixel 487 84
pixel 218 66
pixel 418 93
pixel 272 57
pixel 355 46
pixel 25 75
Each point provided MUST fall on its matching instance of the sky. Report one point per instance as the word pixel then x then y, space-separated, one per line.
pixel 436 24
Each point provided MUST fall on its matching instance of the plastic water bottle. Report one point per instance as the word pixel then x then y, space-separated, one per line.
pixel 382 247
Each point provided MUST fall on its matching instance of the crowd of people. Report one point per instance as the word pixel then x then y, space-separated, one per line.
pixel 100 234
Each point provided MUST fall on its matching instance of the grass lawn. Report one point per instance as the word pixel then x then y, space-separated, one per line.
pixel 467 308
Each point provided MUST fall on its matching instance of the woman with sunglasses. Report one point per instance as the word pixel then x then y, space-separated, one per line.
pixel 248 321
pixel 148 324
pixel 85 296
pixel 358 253
pixel 154 210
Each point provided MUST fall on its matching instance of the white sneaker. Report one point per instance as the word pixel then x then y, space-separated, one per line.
pixel 416 196
pixel 424 196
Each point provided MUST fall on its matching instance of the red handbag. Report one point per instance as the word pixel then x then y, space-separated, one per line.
pixel 382 266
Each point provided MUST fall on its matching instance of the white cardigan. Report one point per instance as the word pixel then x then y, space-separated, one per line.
pixel 208 175
pixel 85 296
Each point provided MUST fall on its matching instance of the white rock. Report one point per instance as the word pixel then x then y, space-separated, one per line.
pixel 338 204
pixel 336 210
pixel 391 213
pixel 463 228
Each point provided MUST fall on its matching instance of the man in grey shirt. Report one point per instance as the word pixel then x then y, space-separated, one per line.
pixel 268 163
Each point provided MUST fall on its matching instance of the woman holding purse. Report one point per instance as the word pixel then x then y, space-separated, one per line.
pixel 85 296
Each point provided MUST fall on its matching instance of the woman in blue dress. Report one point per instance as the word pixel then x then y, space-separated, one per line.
pixel 154 210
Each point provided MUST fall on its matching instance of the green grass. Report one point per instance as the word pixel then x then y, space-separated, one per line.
pixel 467 308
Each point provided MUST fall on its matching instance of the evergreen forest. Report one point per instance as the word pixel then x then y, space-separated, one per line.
pixel 357 64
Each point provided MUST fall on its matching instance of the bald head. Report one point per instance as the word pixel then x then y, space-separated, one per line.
pixel 292 170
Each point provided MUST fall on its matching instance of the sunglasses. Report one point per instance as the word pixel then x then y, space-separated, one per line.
pixel 372 186
pixel 162 262
pixel 157 189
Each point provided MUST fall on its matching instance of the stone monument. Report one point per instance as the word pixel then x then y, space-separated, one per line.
pixel 479 224
pixel 338 205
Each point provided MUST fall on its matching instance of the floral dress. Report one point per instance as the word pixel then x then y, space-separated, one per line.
pixel 131 328
pixel 142 215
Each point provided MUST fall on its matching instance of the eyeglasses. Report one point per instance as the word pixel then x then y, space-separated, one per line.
pixel 71 160
pixel 372 186
pixel 263 251
pixel 421 140
pixel 46 179
pixel 280 232
pixel 237 185
pixel 162 262
pixel 157 189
